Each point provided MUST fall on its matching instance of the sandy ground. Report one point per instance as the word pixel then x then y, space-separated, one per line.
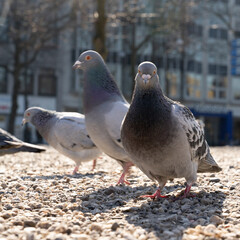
pixel 41 200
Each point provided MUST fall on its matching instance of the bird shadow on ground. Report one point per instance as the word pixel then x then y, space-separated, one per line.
pixel 60 176
pixel 155 216
pixel 176 216
pixel 111 197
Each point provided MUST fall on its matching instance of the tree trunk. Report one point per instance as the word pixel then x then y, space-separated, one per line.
pixel 16 85
pixel 14 107
pixel 100 23
pixel 133 56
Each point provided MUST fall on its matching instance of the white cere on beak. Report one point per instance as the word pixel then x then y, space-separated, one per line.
pixel 77 65
pixel 146 78
pixel 23 121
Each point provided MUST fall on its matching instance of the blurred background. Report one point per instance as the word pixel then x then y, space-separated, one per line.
pixel 194 44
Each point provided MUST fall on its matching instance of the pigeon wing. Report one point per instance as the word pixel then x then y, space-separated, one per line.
pixel 195 134
pixel 114 120
pixel 71 133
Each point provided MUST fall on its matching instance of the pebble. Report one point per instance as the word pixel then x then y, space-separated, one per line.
pixel 39 201
pixel 115 226
pixel 216 220
pixel 97 227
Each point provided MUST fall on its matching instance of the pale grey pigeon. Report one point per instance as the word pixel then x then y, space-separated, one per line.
pixel 64 131
pixel 104 108
pixel 161 136
pixel 10 144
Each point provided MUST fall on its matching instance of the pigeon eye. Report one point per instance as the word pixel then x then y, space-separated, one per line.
pixel 28 114
pixel 88 57
pixel 154 72
pixel 139 71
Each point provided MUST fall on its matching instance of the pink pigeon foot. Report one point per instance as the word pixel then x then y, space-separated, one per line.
pixel 94 164
pixel 126 168
pixel 186 193
pixel 157 194
pixel 75 170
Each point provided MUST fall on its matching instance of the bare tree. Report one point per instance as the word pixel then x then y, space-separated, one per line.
pixel 31 26
pixel 165 20
pixel 100 25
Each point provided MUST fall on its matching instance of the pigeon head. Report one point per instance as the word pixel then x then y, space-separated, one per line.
pixel 37 116
pixel 88 59
pixel 147 75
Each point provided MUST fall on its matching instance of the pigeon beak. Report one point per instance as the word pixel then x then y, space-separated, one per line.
pixel 146 78
pixel 24 121
pixel 77 65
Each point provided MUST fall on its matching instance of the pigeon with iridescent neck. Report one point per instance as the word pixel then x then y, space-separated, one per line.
pixel 104 108
pixel 162 137
pixel 64 131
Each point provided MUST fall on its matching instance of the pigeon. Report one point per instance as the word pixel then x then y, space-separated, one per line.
pixel 104 108
pixel 10 144
pixel 64 131
pixel 162 137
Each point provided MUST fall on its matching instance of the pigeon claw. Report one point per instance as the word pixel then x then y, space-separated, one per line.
pixel 122 181
pixel 156 195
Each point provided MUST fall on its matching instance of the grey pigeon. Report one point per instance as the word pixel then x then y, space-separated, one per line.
pixel 104 108
pixel 161 136
pixel 64 131
pixel 10 144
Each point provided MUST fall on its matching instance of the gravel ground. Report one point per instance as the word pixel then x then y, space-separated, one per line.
pixel 41 200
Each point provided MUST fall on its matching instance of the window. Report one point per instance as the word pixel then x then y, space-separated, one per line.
pixel 213 32
pixel 193 79
pixel 236 88
pixel 193 88
pixel 217 82
pixel 194 66
pixel 217 87
pixel 237 34
pixel 237 2
pixel 172 84
pixel 195 29
pixel 212 69
pixel 3 80
pixel 26 83
pixel 218 33
pixel 47 83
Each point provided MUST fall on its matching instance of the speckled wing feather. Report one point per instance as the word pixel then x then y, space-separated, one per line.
pixel 195 134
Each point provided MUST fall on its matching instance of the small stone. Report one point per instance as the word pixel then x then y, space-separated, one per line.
pixel 8 207
pixel 17 223
pixel 1 228
pixel 97 227
pixel 209 230
pixel 80 237
pixel 38 189
pixel 29 223
pixel 215 180
pixel 44 225
pixel 4 185
pixel 6 215
pixel 115 226
pixel 215 220
pixel 185 207
pixel 109 191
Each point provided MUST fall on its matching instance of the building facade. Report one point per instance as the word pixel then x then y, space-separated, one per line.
pixel 200 70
